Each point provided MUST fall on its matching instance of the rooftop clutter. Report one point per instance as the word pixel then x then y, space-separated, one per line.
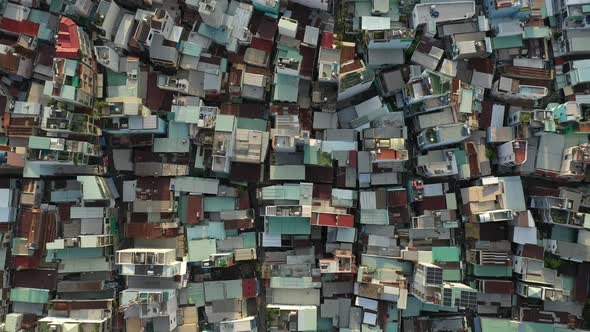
pixel 300 165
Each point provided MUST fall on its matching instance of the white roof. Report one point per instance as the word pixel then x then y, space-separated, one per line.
pixel 447 11
pixel 372 23
pixel 550 152
pixel 311 35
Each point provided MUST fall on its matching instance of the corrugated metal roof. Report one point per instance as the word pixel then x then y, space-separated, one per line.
pixel 446 254
pixel 29 295
pixel 374 216
pixel 200 250
pixel 223 290
pixel 217 204
pixel 289 225
pixel 196 294
pixel 195 185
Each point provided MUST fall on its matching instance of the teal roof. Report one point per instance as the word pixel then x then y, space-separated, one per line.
pixel 286 88
pixel 210 230
pixel 216 230
pixel 36 142
pixel 29 295
pixel 289 225
pixel 225 123
pixel 563 233
pixel 446 254
pixel 537 32
pixel 191 49
pixel 492 271
pixel 413 307
pixel 42 18
pixel 514 41
pixel 223 290
pixel 249 239
pixel 197 232
pixel 346 234
pixel 218 204
pixel 116 79
pixel 178 139
pixel 200 250
pixel 252 124
pixel 220 36
pixel 284 51
pixel 56 6
pixel 196 294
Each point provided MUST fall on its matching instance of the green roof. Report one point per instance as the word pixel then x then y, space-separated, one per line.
pixel 451 275
pixel 218 204
pixel 446 254
pixel 225 123
pixel 200 250
pixel 223 290
pixel 252 124
pixel 514 41
pixel 196 294
pixel 182 208
pixel 289 225
pixel 29 295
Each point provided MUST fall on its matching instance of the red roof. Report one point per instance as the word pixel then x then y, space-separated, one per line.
pixel 262 44
pixel 249 288
pixel 18 27
pixel 327 39
pixel 194 212
pixel 333 220
pixel 353 158
pixel 68 42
